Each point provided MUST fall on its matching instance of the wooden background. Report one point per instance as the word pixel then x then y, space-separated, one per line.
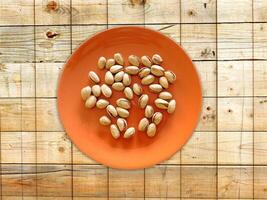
pixel 226 158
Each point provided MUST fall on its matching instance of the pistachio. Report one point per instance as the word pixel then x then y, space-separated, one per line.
pixel 143 100
pixel 164 82
pixel 156 88
pixel 132 70
pixel 101 62
pixel 115 132
pixel 143 123
pixel 123 103
pixel 143 72
pixel 165 95
pixel 172 106
pixel 157 118
pixel 128 93
pixel 94 77
pixel 115 69
pixel 86 92
pixel 148 79
pixel 118 58
pixel 157 70
pixel 137 89
pixel 118 77
pixel 126 80
pixel 90 102
pixel 109 79
pixel 96 90
pixel 149 111
pixel 129 132
pixel 162 104
pixel 104 120
pixel 122 124
pixel 156 59
pixel 111 110
pixel 118 86
pixel 146 61
pixel 134 60
pixel 122 112
pixel 151 130
pixel 106 91
pixel 102 103
pixel 110 63
pixel 171 77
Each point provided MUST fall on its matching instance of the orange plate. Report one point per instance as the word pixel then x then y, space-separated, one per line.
pixel 95 140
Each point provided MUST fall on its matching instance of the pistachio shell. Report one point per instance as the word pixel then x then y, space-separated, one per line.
pixel 129 132
pixel 106 91
pixel 128 93
pixel 149 111
pixel 111 110
pixel 122 124
pixel 157 118
pixel 157 70
pixel 86 92
pixel 90 102
pixel 110 62
pixel 101 62
pixel 109 78
pixel 94 77
pixel 102 103
pixel 151 130
pixel 143 124
pixel 122 112
pixel 126 80
pixel 132 70
pixel 163 81
pixel 171 77
pixel 156 59
pixel 156 88
pixel 118 58
pixel 148 79
pixel 137 89
pixel 123 103
pixel 165 95
pixel 146 61
pixel 104 120
pixel 134 60
pixel 143 100
pixel 96 90
pixel 115 69
pixel 162 104
pixel 143 72
pixel 115 132
pixel 172 106
pixel 118 86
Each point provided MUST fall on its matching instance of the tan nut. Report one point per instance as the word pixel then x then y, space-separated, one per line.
pixel 110 63
pixel 137 89
pixel 129 132
pixel 128 93
pixel 134 60
pixel 151 130
pixel 102 103
pixel 126 80
pixel 157 118
pixel 143 124
pixel 148 79
pixel 86 92
pixel 115 132
pixel 94 77
pixel 109 78
pixel 101 62
pixel 96 90
pixel 90 102
pixel 165 95
pixel 132 70
pixel 143 72
pixel 156 88
pixel 149 111
pixel 115 69
pixel 106 91
pixel 157 70
pixel 146 61
pixel 156 59
pixel 143 100
pixel 162 104
pixel 118 77
pixel 118 86
pixel 172 106
pixel 111 110
pixel 122 124
pixel 171 77
pixel 104 120
pixel 123 103
pixel 118 58
pixel 164 82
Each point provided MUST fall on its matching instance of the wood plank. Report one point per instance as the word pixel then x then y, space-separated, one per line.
pixel 28 147
pixel 260 113
pixel 235 114
pixel 198 11
pixel 17 80
pixel 260 10
pixel 54 180
pixel 90 181
pixel 235 148
pixel 52 43
pixel 162 182
pixel 81 33
pixel 235 78
pixel 237 11
pixel 29 181
pixel 199 40
pixel 89 12
pixel 17 44
pixel 53 147
pixel 174 159
pixel 47 79
pixel 17 114
pixel 157 11
pixel 207 119
pixel 11 147
pixel 198 182
pixel 234 41
pixel 126 12
pixel 125 183
pixel 207 75
pixel 11 180
pixel 260 40
pixel 52 12
pixel 200 149
pixel 235 182
pixel 260 78
pixel 47 118
pixel 260 148
pixel 260 182
pixel 80 158
pixel 16 12
pixel 172 31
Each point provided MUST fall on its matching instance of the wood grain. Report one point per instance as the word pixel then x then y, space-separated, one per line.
pixel 260 148
pixel 260 40
pixel 260 182
pixel 260 113
pixel 260 78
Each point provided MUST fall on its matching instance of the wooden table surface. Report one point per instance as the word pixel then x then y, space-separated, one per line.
pixel 226 158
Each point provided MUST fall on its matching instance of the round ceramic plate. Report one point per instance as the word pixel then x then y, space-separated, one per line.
pixel 82 124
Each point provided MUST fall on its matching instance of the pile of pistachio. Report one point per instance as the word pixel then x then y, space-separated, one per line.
pixel 118 77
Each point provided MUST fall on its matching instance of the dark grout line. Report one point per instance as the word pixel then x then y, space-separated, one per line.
pixel 253 119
